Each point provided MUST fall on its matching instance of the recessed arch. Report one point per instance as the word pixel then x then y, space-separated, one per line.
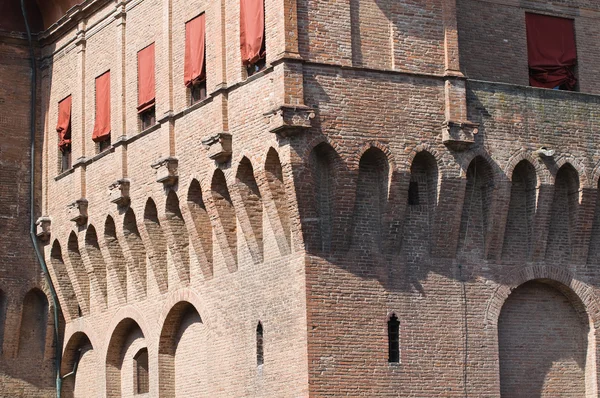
pixel 201 223
pixel 61 277
pixel 116 265
pixel 227 231
pixel 136 252
pixel 157 252
pixel 565 205
pixel 34 325
pixel 518 238
pixel 92 248
pixel 178 236
pixel 252 206
pixel 79 368
pixel 276 185
pixel 82 279
pixel 183 340
pixel 126 340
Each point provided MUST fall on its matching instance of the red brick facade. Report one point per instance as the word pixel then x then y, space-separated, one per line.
pixel 384 164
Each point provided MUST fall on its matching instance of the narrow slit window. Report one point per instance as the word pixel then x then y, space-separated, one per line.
pixel 260 358
pixel 394 339
pixel 141 377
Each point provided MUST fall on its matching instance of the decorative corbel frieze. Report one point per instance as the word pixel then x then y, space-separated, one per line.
pixel 42 230
pixel 459 135
pixel 118 192
pixel 78 211
pixel 288 120
pixel 218 146
pixel 166 170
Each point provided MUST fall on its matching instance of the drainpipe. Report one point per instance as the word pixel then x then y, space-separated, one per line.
pixel 32 231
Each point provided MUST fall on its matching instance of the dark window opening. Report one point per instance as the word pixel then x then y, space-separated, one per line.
pixel 103 145
pixel 65 158
pixel 198 92
pixel 142 381
pixel 79 312
pixel 260 358
pixel 394 339
pixel 261 63
pixel 551 52
pixel 148 118
pixel 413 193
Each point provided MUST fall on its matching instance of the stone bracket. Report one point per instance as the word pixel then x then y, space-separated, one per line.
pixel 43 230
pixel 78 211
pixel 118 192
pixel 459 135
pixel 218 146
pixel 166 170
pixel 288 120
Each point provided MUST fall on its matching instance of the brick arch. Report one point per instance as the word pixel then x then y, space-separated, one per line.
pixel 197 220
pixel 465 161
pixel 423 147
pixel 177 236
pixel 584 180
pixel 275 183
pixel 126 323
pixel 354 158
pixel 61 280
pixel 543 175
pixel 578 292
pixel 595 176
pixel 315 142
pixel 248 203
pixel 69 356
pixel 181 304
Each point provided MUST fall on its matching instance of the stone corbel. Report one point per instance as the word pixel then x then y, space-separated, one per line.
pixel 288 120
pixel 218 146
pixel 459 135
pixel 43 231
pixel 78 211
pixel 118 192
pixel 166 170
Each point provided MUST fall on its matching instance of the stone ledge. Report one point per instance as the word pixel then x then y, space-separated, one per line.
pixel 288 120
pixel 43 228
pixel 166 170
pixel 118 192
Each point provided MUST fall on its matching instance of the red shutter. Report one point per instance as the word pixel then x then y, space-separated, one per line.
pixel 194 50
pixel 102 122
pixel 252 30
pixel 551 50
pixel 146 81
pixel 63 127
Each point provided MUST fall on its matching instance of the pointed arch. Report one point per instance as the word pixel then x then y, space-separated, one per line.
pixel 421 204
pixel 183 340
pixel 518 238
pixel 137 252
pixel 279 196
pixel 563 215
pixel 82 279
pixel 61 277
pixel 227 229
pixel 157 245
pixel 34 325
pixel 322 160
pixel 371 200
pixel 202 240
pixel 94 254
pixel 116 266
pixel 178 236
pixel 476 213
pixel 252 207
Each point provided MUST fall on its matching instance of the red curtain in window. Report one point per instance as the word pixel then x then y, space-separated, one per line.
pixel 194 50
pixel 63 127
pixel 551 50
pixel 252 30
pixel 102 123
pixel 146 82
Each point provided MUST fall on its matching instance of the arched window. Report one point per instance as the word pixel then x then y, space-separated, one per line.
pixel 394 339
pixel 260 357
pixel 142 382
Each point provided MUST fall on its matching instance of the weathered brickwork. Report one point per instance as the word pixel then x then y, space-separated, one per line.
pixel 386 162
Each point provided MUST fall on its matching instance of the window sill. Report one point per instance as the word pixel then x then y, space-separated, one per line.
pixel 65 173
